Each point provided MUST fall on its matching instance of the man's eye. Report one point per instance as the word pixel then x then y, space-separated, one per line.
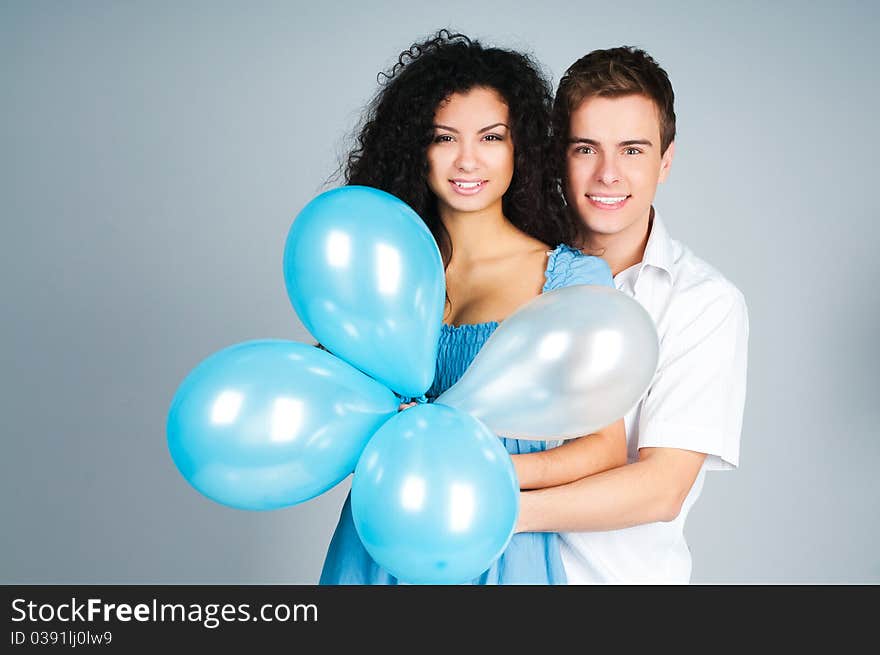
pixel 633 151
pixel 584 150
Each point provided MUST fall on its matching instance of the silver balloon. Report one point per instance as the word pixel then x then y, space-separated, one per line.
pixel 565 364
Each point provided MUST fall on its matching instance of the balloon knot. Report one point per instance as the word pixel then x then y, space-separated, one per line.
pixel 404 400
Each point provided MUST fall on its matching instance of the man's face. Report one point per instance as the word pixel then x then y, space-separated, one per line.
pixel 613 163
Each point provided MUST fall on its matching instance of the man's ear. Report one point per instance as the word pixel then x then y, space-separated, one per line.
pixel 666 162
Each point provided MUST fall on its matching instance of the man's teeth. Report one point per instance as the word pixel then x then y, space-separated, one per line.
pixel 467 185
pixel 607 201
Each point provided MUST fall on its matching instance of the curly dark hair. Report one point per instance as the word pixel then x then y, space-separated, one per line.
pixel 398 127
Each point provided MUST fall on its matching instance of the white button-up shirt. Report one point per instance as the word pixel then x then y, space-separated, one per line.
pixel 695 402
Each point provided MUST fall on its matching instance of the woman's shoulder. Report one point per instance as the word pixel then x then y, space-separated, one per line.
pixel 567 266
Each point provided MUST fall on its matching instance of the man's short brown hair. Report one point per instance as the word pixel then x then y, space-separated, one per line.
pixel 613 73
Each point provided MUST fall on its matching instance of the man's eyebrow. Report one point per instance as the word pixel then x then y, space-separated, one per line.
pixel 622 144
pixel 437 126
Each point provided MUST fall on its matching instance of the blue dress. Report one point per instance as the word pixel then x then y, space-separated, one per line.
pixel 530 557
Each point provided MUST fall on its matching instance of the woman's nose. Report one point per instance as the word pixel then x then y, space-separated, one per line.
pixel 466 159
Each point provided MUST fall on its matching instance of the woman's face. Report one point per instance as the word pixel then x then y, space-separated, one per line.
pixel 470 160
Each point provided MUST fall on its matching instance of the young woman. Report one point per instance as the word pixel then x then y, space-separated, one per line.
pixel 460 133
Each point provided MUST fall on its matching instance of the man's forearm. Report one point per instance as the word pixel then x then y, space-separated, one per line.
pixel 646 491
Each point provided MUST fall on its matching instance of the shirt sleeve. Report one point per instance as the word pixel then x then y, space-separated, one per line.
pixel 697 396
pixel 567 266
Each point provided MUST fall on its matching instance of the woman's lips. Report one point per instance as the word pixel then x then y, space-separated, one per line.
pixel 468 187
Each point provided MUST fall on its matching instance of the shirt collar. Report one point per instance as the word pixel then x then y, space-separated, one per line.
pixel 658 251
pixel 658 254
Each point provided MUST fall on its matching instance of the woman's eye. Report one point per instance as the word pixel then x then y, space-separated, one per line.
pixel 443 138
pixel 493 137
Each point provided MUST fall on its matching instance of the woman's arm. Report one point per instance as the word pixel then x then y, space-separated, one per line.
pixel 574 459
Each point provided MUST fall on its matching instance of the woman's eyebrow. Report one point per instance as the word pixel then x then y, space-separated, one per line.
pixel 493 126
pixel 437 126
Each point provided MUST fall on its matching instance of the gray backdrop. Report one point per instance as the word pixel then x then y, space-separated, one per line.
pixel 153 156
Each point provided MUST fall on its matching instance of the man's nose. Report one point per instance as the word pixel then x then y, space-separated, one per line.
pixel 608 172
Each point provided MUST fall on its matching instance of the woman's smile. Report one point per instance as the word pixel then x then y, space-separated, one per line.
pixel 468 187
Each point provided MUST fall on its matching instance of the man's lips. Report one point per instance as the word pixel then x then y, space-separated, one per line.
pixel 602 201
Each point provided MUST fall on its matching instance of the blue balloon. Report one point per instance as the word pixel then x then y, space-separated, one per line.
pixel 434 497
pixel 366 279
pixel 267 424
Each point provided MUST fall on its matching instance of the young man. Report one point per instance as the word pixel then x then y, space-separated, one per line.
pixel 614 118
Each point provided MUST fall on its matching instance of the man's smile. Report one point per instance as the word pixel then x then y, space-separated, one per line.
pixel 607 202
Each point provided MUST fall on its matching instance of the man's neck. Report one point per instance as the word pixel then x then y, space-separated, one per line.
pixel 622 249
